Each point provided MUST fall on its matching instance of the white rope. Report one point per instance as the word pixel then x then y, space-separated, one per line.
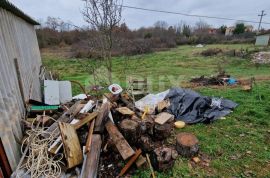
pixel 39 163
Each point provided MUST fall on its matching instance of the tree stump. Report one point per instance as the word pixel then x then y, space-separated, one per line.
pixel 146 143
pixel 162 132
pixel 163 158
pixel 187 145
pixel 131 130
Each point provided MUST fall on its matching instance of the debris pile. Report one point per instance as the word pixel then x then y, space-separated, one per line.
pixel 261 58
pixel 108 136
pixel 220 79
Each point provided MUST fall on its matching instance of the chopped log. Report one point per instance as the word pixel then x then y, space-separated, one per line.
pixel 187 145
pixel 89 137
pixel 90 165
pixel 131 130
pixel 130 162
pixel 162 158
pixel 121 144
pixel 72 148
pixel 141 161
pixel 85 120
pixel 102 118
pixel 125 111
pixel 66 117
pixel 162 132
pixel 146 143
pixel 163 117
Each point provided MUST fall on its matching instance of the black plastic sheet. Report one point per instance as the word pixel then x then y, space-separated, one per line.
pixel 190 107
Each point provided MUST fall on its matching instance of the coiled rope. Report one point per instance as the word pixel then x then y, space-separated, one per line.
pixel 39 162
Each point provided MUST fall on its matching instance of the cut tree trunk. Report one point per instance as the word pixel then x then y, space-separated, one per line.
pixel 162 132
pixel 131 130
pixel 163 158
pixel 187 145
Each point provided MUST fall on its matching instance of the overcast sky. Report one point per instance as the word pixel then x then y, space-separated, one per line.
pixel 69 10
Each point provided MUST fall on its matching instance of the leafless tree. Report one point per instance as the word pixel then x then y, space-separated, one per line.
pixel 103 16
pixel 161 24
pixel 52 22
pixel 201 27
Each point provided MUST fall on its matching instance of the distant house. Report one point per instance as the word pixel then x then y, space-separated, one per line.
pixel 249 28
pixel 262 39
pixel 212 31
pixel 229 31
pixel 20 64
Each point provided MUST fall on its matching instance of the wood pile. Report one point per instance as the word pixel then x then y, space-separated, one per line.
pixel 111 139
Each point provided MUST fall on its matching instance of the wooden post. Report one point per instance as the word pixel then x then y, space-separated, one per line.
pixel 19 77
pixel 89 137
pixel 102 118
pixel 120 142
pixel 90 167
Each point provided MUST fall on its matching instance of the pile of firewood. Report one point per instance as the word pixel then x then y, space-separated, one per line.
pixel 104 138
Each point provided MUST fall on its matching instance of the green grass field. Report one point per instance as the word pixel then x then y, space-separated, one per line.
pixel 238 146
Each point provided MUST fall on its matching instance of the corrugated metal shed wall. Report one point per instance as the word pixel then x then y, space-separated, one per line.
pixel 17 40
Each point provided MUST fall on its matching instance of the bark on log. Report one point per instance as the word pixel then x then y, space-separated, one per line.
pixel 162 132
pixel 163 158
pixel 131 130
pixel 121 144
pixel 187 145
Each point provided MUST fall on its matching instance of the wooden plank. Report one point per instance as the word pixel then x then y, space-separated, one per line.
pixel 4 161
pixel 102 118
pixel 66 117
pixel 89 137
pixel 130 162
pixel 72 148
pixel 163 117
pixel 18 72
pixel 120 142
pixel 90 167
pixel 125 111
pixel 85 120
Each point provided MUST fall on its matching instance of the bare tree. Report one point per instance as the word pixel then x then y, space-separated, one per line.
pixel 161 25
pixel 201 27
pixel 103 16
pixel 52 22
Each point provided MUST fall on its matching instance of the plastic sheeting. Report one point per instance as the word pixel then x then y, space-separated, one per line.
pixel 190 107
